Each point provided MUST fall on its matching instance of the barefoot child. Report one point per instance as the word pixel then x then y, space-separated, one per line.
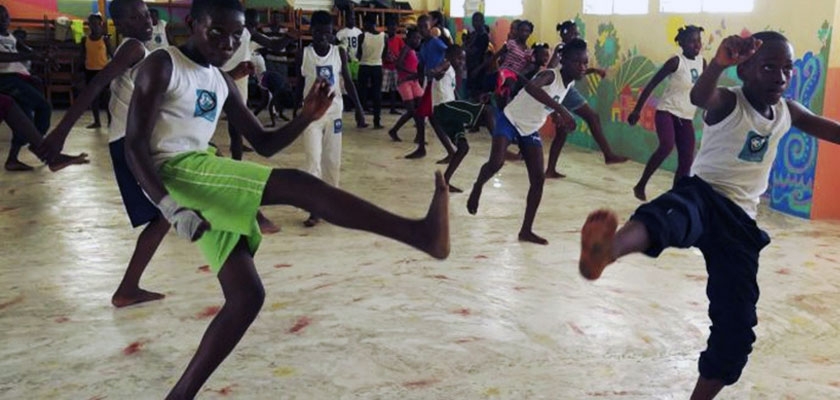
pixel 131 18
pixel 675 113
pixel 322 140
pixel 372 51
pixel 96 51
pixel 408 85
pixel 715 209
pixel 576 103
pixel 214 200
pixel 520 123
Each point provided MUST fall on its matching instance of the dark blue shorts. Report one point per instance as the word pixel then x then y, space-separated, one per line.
pixel 693 214
pixel 573 100
pixel 139 208
pixel 505 129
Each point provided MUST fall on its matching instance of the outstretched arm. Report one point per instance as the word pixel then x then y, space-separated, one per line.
pixel 269 142
pixel 719 102
pixel 128 55
pixel 812 124
pixel 667 69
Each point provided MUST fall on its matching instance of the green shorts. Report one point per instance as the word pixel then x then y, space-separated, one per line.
pixel 226 192
pixel 353 66
pixel 454 116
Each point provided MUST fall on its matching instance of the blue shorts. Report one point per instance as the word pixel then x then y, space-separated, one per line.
pixel 505 129
pixel 139 208
pixel 573 100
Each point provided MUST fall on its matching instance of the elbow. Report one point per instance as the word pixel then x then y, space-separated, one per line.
pixel 696 99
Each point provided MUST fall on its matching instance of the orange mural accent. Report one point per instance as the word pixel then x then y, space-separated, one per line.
pixel 825 203
pixel 34 9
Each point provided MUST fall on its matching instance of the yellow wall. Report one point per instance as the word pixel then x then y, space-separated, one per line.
pixel 653 34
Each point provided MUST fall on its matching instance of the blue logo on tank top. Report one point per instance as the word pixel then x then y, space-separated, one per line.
pixel 205 105
pixel 325 72
pixel 337 126
pixel 754 148
pixel 556 100
pixel 694 75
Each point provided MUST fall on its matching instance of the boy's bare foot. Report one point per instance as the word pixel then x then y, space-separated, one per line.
pixel 472 202
pixel 266 226
pixel 138 296
pixel 596 243
pixel 444 161
pixel 453 189
pixel 437 221
pixel 615 159
pixel 311 221
pixel 95 125
pixel 394 137
pixel 639 192
pixel 17 166
pixel 64 161
pixel 554 175
pixel 531 237
pixel 419 153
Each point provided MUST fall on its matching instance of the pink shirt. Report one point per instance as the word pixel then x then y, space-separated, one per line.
pixel 395 45
pixel 518 56
pixel 410 63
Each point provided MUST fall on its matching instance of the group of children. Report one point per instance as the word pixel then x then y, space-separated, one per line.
pixel 165 106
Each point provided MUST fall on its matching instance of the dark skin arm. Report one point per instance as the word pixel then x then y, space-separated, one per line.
pixel 129 54
pixel 359 48
pixel 276 44
pixel 719 102
pixel 812 124
pixel 668 68
pixel 351 89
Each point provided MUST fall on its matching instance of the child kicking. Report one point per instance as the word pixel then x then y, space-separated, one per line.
pixel 178 97
pixel 520 123
pixel 715 208
pixel 133 22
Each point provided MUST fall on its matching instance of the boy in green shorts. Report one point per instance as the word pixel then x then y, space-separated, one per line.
pixel 453 118
pixel 178 97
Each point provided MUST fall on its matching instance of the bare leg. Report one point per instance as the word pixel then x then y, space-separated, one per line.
pixel 594 122
pixel 266 226
pixel 129 291
pixel 444 140
pixel 299 189
pixel 536 176
pixel 601 245
pixel 557 144
pixel 706 389
pixel 244 296
pixel 420 152
pixel 22 126
pixel 493 165
pixel 665 133
pixel 463 149
pixel 409 114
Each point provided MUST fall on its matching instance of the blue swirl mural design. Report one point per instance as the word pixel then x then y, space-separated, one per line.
pixel 792 177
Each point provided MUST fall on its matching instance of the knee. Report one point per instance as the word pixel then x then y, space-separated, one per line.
pixel 729 345
pixel 463 147
pixel 495 165
pixel 248 303
pixel 665 147
pixel 537 179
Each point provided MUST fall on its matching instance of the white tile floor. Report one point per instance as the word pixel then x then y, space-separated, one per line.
pixel 350 315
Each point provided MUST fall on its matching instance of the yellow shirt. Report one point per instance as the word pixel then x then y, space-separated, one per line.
pixel 96 54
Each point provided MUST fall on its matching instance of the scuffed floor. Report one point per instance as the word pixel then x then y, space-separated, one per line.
pixel 350 315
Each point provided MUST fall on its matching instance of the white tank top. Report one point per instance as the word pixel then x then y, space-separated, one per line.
pixel 372 48
pixel 527 114
pixel 158 39
pixel 8 44
pixel 676 97
pixel 736 154
pixel 121 89
pixel 443 90
pixel 327 67
pixel 190 109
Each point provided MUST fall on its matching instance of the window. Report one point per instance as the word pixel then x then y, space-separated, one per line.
pixel 709 6
pixel 607 7
pixel 503 8
pixel 456 8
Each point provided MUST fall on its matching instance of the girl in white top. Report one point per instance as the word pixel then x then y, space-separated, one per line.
pixel 520 123
pixel 675 113
pixel 371 52
pixel 322 139
pixel 160 39
pixel 714 210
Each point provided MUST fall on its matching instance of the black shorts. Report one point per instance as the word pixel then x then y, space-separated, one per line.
pixel 139 208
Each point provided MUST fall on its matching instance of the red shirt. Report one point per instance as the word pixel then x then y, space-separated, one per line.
pixel 395 45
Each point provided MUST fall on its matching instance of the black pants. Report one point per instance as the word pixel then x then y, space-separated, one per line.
pixel 370 88
pixel 692 214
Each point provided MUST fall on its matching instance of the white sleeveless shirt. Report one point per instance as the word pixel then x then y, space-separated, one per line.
pixel 327 67
pixel 527 114
pixel 676 97
pixel 121 89
pixel 372 48
pixel 190 109
pixel 736 154
pixel 443 90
